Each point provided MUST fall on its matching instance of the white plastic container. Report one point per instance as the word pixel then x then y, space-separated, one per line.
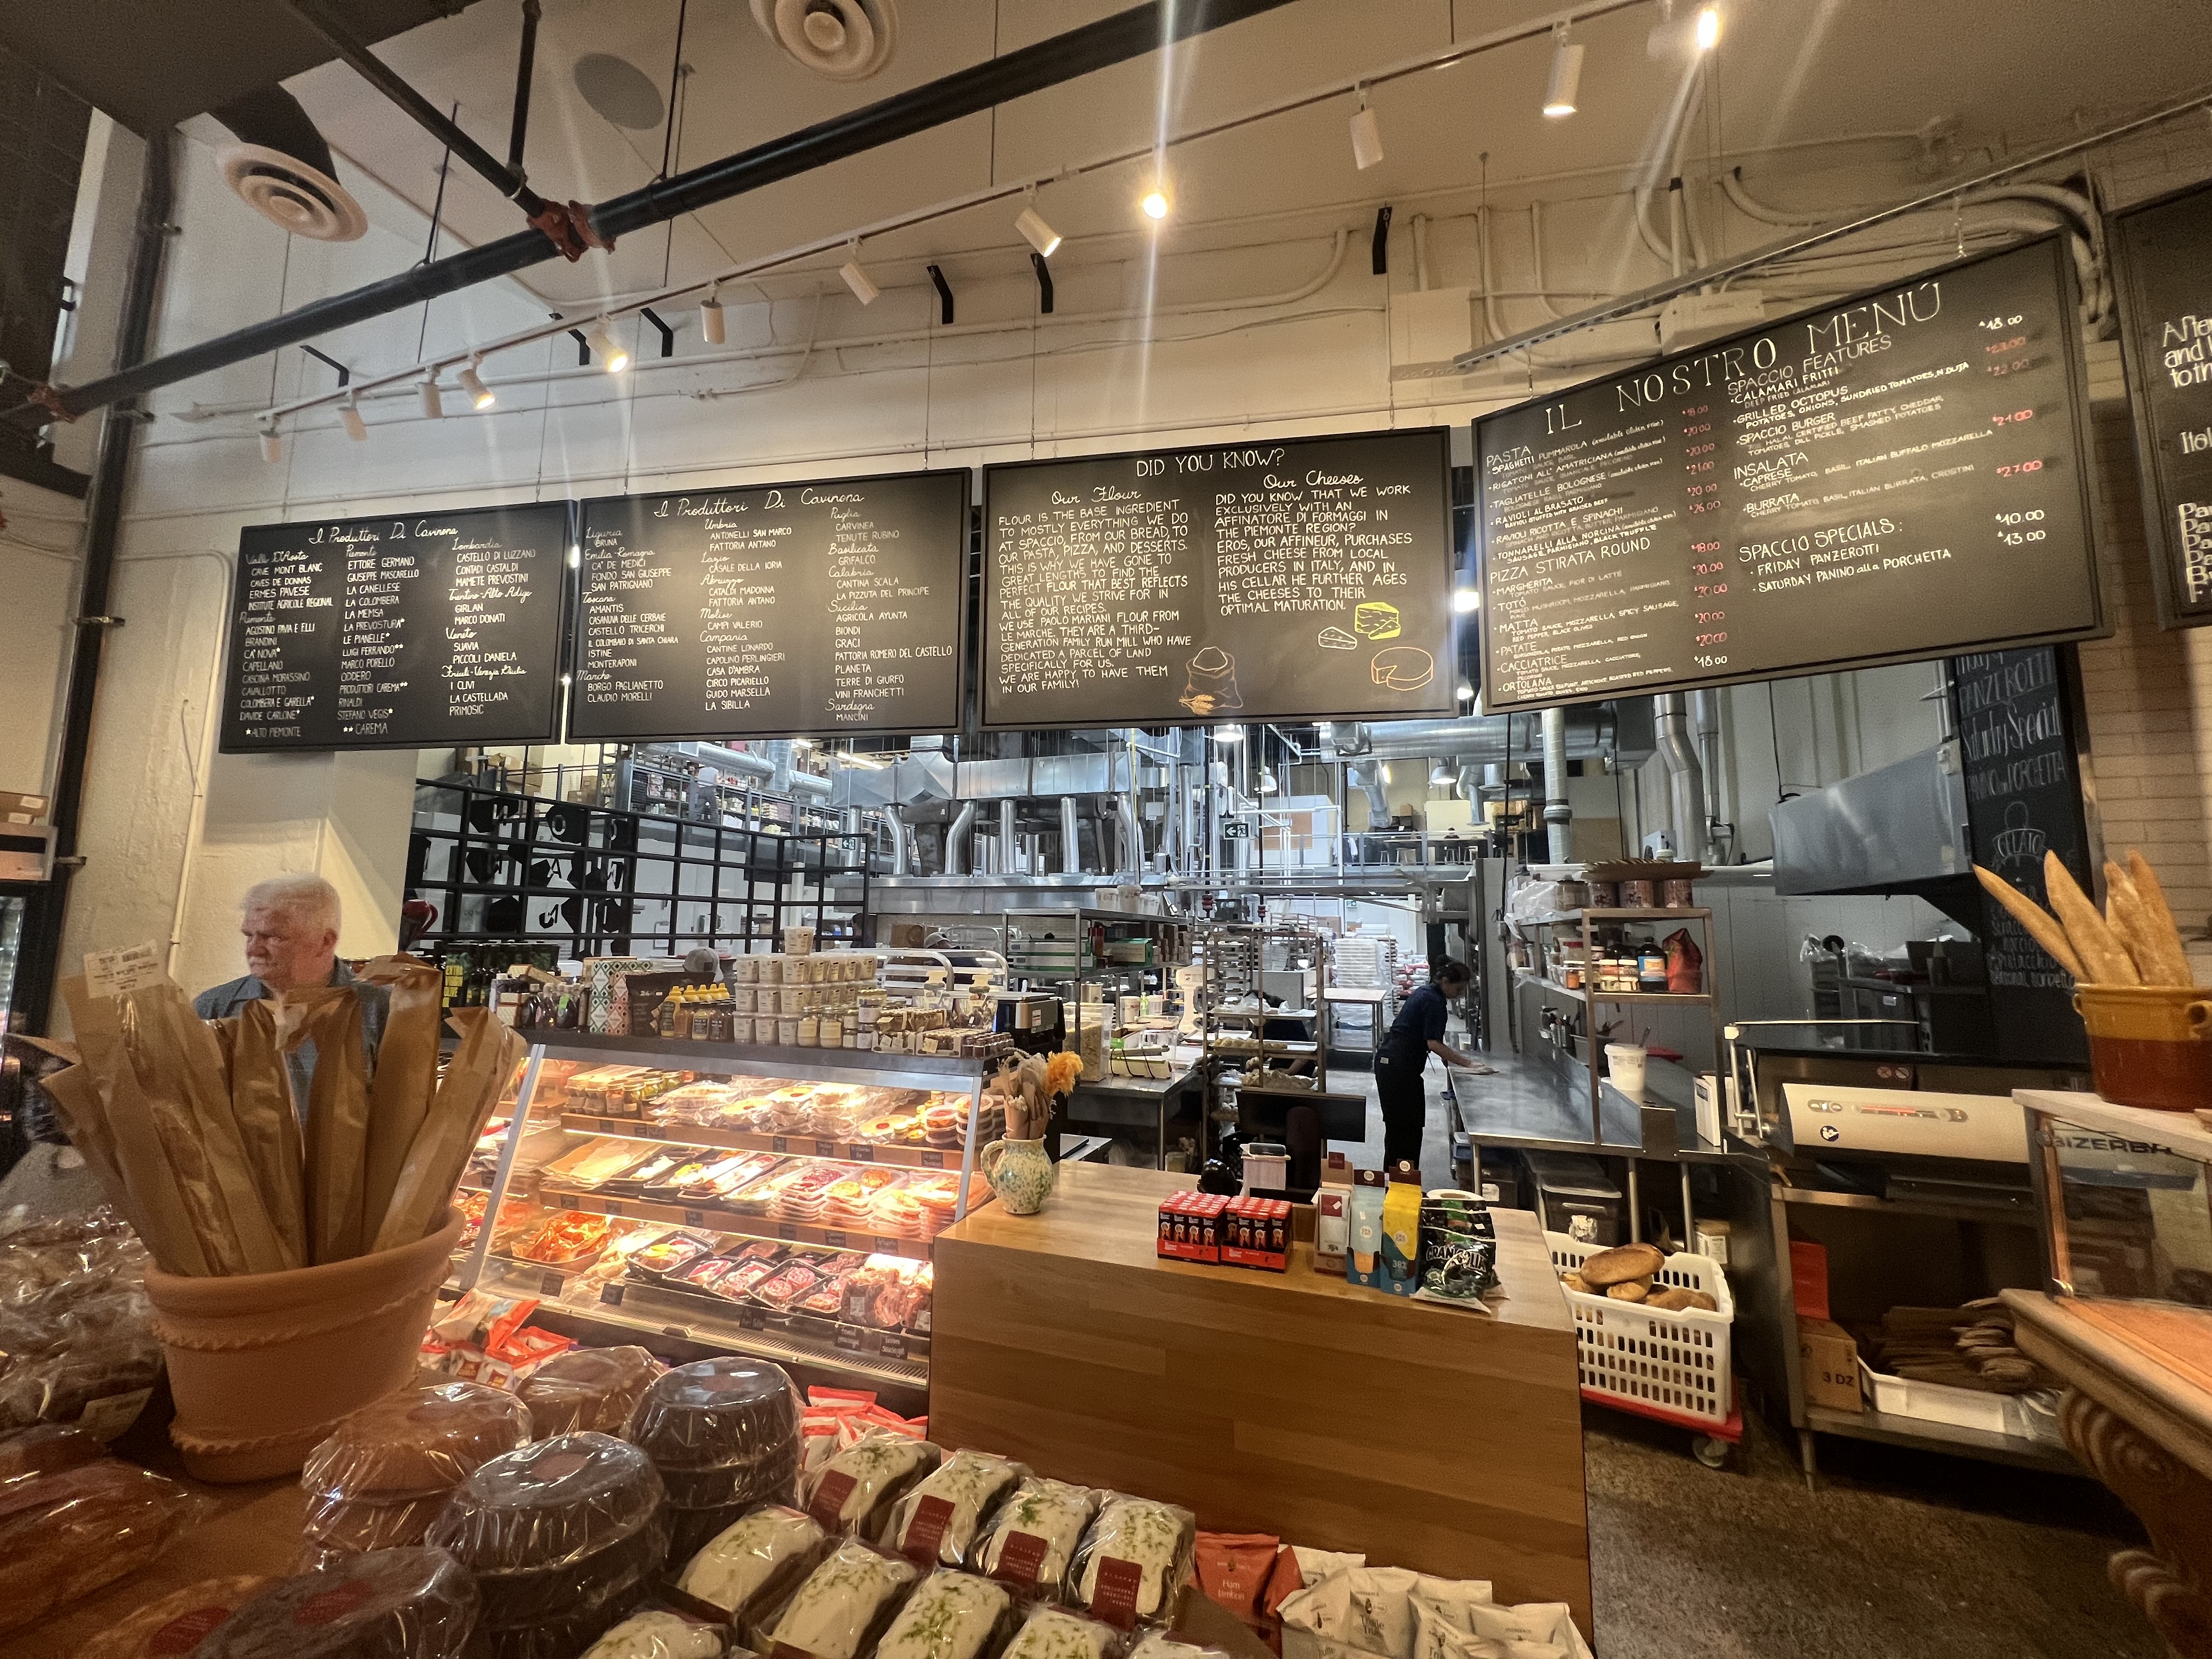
pixel 1624 1064
pixel 1934 1402
pixel 1676 1363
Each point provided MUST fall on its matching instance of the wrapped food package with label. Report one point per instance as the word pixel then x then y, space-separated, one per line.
pixel 1158 1644
pixel 177 1624
pixel 46 1450
pixel 64 1535
pixel 751 1558
pixel 1133 1561
pixel 76 1333
pixel 840 1607
pixel 935 1522
pixel 847 1493
pixel 1051 1632
pixel 561 1532
pixel 382 1476
pixel 1032 1538
pixel 953 1615
pixel 388 1604
pixel 592 1390
pixel 724 1433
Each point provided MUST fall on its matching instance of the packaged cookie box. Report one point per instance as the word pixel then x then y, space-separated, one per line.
pixel 1255 1232
pixel 1190 1226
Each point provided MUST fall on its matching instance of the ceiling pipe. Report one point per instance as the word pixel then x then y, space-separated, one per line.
pixel 1685 785
pixel 959 838
pixel 1071 838
pixel 1067 57
pixel 1007 820
pixel 902 859
pixel 1558 815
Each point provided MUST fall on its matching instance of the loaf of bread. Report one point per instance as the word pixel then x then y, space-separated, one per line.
pixel 46 1450
pixel 416 1443
pixel 177 1625
pixel 1619 1265
pixel 592 1388
pixel 64 1535
pixel 1629 1290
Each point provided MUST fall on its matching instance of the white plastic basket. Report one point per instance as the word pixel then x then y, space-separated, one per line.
pixel 1676 1363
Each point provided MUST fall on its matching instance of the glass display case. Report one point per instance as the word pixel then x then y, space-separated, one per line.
pixel 770 1200
pixel 2123 1198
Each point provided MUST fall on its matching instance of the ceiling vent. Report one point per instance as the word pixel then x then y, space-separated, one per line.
pixel 838 39
pixel 281 168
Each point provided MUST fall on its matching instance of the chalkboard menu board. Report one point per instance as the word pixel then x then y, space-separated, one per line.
pixel 1895 476
pixel 2162 254
pixel 2023 800
pixel 837 606
pixel 1302 579
pixel 408 632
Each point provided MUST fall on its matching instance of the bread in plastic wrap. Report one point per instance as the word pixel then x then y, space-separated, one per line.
pixel 847 1493
pixel 390 1604
pixel 354 1525
pixel 66 1534
pixel 1153 1538
pixel 1159 1645
pixel 935 1522
pixel 1051 1632
pixel 953 1615
pixel 416 1443
pixel 656 1634
pixel 75 1327
pixel 1052 1513
pixel 715 1413
pixel 838 1609
pixel 179 1624
pixel 593 1389
pixel 746 1559
pixel 44 1449
pixel 555 1527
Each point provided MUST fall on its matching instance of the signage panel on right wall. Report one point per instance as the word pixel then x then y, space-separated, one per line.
pixel 2161 255
pixel 1895 476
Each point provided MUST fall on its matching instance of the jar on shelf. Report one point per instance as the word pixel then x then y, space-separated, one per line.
pixel 787 1030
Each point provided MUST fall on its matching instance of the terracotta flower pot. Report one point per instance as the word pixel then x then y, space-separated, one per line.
pixel 262 1364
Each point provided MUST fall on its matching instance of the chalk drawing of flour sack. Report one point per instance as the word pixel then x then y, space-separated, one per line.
pixel 1210 682
pixel 2020 847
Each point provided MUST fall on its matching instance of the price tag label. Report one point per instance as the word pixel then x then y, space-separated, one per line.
pixel 549 1283
pixel 895 1346
pixel 695 1217
pixel 751 1319
pixel 848 1339
pixel 825 1149
pixel 932 1160
pixel 786 1229
pixel 611 1294
pixel 886 1246
pixel 615 1210
pixel 778 1144
pixel 568 1200
pixel 833 1237
pixel 861 1152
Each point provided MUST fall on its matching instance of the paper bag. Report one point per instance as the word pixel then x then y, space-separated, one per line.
pixel 406 1078
pixel 267 1123
pixel 329 1016
pixel 475 1079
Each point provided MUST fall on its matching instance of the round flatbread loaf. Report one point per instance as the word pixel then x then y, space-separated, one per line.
pixel 1630 1290
pixel 1617 1267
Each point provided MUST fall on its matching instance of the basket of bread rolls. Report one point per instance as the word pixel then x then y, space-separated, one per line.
pixel 1650 1327
pixel 2149 1022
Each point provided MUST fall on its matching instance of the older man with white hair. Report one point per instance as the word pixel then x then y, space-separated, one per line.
pixel 291 924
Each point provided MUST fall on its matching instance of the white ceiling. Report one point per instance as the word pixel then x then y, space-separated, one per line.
pixel 1789 74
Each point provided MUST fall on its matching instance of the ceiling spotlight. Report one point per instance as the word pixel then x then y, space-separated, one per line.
pixel 1444 777
pixel 272 444
pixel 612 358
pixel 1708 28
pixel 1037 233
pixel 433 404
pixel 1386 771
pixel 1566 76
pixel 1229 734
pixel 1464 599
pixel 1467 694
pixel 1155 203
pixel 1366 135
pixel 472 383
pixel 1265 784
pixel 856 278
pixel 576 557
pixel 349 416
pixel 710 316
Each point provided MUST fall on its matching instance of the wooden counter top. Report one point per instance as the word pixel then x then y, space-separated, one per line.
pixel 1329 1415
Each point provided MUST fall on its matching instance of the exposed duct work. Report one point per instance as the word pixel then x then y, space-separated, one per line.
pixel 959 840
pixel 1705 714
pixel 1131 834
pixel 1009 825
pixel 1558 817
pixel 901 859
pixel 1481 739
pixel 1367 776
pixel 1071 838
pixel 281 168
pixel 1686 782
pixel 741 762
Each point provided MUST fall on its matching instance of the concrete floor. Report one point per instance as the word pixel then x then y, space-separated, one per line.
pixel 1895 1555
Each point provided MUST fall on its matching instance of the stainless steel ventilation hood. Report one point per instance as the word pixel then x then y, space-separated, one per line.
pixel 1898 829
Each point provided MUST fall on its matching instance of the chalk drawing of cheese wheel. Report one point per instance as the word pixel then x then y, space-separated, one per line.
pixel 1403 668
pixel 1376 620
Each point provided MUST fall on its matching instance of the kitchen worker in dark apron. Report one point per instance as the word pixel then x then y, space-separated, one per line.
pixel 1417 1033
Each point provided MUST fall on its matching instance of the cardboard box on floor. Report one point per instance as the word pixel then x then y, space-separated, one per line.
pixel 1830 1359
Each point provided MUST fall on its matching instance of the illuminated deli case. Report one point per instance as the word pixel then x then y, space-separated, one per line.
pixel 777 1201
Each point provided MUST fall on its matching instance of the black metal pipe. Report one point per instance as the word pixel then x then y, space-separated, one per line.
pixel 966 92
pixel 103 526
pixel 526 64
pixel 320 17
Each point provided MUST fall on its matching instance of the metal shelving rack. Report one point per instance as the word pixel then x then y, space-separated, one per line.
pixel 518 869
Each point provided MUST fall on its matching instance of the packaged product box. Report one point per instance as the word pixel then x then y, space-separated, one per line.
pixel 16 808
pixel 1401 1232
pixel 1255 1232
pixel 1830 1360
pixel 1333 1215
pixel 1809 1278
pixel 1190 1226
pixel 1364 1266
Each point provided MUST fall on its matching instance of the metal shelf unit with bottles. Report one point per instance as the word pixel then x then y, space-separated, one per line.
pixel 571 1111
pixel 1592 924
pixel 504 868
